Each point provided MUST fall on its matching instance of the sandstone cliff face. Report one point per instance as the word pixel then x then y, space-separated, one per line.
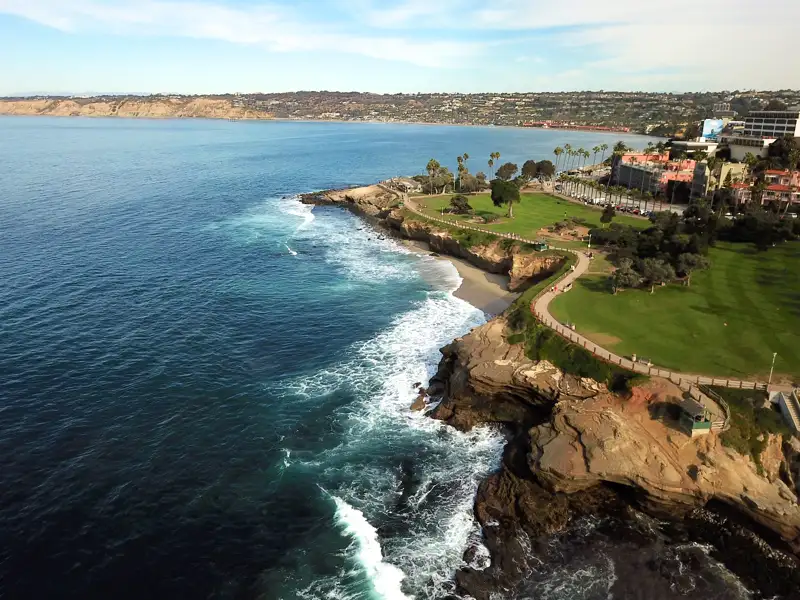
pixel 586 443
pixel 484 379
pixel 151 108
pixel 381 203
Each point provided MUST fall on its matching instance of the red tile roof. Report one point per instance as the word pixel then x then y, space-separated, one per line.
pixel 740 186
pixel 778 188
pixel 776 172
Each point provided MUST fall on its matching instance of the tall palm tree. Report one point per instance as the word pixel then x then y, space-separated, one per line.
pixel 460 161
pixel 586 155
pixel 603 148
pixel 493 158
pixel 595 150
pixel 630 171
pixel 558 152
pixel 568 150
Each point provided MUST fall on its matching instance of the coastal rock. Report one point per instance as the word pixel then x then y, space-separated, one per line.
pixel 484 379
pixel 603 441
pixel 534 266
pixel 371 200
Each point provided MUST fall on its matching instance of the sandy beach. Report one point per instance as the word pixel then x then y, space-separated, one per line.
pixel 485 291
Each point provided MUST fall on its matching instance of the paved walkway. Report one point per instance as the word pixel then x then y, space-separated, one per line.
pixel 540 308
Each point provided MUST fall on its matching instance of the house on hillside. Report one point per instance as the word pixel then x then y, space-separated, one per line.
pixel 695 418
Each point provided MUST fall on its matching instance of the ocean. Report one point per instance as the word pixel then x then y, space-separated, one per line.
pixel 205 384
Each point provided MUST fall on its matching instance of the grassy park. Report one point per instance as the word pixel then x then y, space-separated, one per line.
pixel 533 212
pixel 728 323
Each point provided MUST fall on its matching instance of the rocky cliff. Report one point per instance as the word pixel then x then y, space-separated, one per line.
pixel 144 107
pixel 577 448
pixel 383 205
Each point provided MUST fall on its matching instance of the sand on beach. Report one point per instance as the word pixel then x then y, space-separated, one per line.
pixel 485 291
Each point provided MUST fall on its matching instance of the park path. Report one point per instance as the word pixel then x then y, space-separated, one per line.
pixel 689 382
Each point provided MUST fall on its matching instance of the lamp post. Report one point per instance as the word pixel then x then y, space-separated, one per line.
pixel 772 368
pixel 590 240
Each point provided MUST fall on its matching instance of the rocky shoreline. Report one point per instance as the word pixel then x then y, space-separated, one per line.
pixel 681 512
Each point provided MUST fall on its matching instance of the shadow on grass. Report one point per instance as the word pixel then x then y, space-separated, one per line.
pixel 597 284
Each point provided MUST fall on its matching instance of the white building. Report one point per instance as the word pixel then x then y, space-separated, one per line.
pixel 772 123
pixel 761 128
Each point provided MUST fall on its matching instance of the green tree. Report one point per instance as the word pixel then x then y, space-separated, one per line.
pixel 459 205
pixel 620 148
pixel 656 271
pixel 775 104
pixel 530 169
pixel 505 192
pixel 794 157
pixel 558 152
pixel 493 158
pixel 688 263
pixel 624 276
pixel 545 168
pixel 595 151
pixel 609 212
pixel 433 169
pixel 604 149
pixel 507 171
pixel 700 155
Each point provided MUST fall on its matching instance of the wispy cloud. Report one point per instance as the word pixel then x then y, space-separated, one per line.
pixel 273 27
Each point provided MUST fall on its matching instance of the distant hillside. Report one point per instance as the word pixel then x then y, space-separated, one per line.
pixel 151 107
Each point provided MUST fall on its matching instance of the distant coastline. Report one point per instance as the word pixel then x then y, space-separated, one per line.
pixel 287 120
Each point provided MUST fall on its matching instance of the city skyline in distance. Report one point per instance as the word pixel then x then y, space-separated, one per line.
pixel 383 46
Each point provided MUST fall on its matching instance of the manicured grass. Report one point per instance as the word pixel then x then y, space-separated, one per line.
pixel 533 212
pixel 728 323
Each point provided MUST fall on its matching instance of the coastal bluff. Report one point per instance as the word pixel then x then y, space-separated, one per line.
pixel 576 448
pixel 146 107
pixel 383 206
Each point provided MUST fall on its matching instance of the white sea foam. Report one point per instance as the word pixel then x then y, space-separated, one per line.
pixel 385 578
pixel 292 252
pixel 294 207
pixel 429 533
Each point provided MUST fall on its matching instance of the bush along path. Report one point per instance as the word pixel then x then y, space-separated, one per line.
pixel 540 308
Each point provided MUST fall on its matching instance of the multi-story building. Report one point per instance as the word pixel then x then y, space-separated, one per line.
pixel 782 187
pixel 761 128
pixel 772 123
pixel 703 181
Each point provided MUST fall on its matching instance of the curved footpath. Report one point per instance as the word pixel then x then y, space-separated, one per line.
pixel 540 308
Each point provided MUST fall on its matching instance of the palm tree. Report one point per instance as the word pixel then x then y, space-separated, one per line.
pixel 794 158
pixel 586 155
pixel 595 150
pixel 558 152
pixel 494 156
pixel 432 168
pixel 568 150
pixel 460 161
pixel 603 148
pixel 630 171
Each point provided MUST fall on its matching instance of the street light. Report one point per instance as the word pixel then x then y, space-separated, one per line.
pixel 590 240
pixel 772 368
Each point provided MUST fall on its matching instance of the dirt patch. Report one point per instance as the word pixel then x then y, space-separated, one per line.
pixel 604 339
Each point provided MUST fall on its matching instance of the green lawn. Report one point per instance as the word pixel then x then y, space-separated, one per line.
pixel 533 212
pixel 728 323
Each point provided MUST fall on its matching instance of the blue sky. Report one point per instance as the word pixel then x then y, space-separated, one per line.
pixel 214 46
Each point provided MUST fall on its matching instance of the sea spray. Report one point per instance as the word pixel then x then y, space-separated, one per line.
pixel 385 578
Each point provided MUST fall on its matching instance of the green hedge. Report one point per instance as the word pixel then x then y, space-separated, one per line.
pixel 748 423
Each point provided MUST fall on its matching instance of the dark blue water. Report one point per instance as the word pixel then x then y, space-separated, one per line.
pixel 204 386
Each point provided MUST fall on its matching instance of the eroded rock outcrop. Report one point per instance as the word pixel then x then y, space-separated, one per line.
pixel 382 203
pixel 484 379
pixel 600 440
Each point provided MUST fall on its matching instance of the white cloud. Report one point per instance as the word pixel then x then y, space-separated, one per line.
pixel 686 44
pixel 269 26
